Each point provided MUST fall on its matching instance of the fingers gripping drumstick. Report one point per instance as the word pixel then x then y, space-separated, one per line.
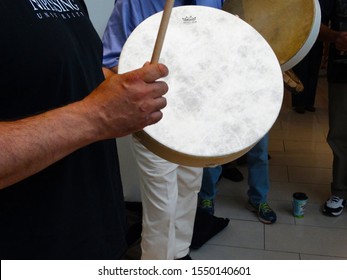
pixel 292 81
pixel 162 31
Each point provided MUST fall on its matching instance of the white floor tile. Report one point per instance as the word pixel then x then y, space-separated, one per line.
pixel 309 175
pixel 283 191
pixel 307 240
pixel 318 257
pixel 213 252
pixel 301 159
pixel 306 147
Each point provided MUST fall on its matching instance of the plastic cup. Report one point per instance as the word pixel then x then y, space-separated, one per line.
pixel 299 204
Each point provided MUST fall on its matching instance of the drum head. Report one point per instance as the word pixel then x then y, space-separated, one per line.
pixel 290 27
pixel 225 85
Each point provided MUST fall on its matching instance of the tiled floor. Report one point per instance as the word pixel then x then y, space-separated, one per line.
pixel 300 161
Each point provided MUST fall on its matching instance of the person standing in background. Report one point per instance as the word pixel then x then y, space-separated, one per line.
pixel 334 31
pixel 307 70
pixel 258 181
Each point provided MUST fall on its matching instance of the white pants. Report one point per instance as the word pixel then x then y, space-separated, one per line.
pixel 169 199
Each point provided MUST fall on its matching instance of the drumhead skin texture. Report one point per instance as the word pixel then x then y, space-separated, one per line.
pixel 225 85
pixel 290 27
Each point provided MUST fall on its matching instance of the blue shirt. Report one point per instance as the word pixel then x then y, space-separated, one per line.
pixel 127 15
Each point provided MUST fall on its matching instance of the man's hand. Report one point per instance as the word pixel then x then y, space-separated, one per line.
pixel 121 105
pixel 128 102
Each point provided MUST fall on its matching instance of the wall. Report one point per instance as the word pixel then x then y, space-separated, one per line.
pixel 99 15
pixel 99 12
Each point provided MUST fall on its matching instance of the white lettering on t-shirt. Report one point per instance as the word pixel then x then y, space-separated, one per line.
pixel 65 8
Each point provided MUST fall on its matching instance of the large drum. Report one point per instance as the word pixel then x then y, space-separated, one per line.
pixel 225 85
pixel 291 27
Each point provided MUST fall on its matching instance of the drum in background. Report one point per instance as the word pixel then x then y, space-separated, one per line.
pixel 225 85
pixel 290 27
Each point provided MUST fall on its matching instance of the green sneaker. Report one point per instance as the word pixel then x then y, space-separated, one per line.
pixel 265 214
pixel 206 205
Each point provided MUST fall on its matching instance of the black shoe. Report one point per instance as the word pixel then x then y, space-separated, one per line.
pixel 310 108
pixel 186 257
pixel 300 109
pixel 232 173
pixel 242 160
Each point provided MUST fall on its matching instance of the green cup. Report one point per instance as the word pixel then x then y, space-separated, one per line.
pixel 299 204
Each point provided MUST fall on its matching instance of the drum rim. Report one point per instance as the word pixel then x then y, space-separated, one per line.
pixel 186 159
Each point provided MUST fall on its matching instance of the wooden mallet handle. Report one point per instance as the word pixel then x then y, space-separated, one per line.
pixel 162 30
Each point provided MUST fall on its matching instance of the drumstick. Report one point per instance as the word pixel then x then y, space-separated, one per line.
pixel 162 30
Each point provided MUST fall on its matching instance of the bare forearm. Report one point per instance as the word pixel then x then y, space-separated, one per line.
pixel 121 105
pixel 30 145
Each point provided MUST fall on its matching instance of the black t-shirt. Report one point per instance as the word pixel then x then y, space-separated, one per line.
pixel 50 55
